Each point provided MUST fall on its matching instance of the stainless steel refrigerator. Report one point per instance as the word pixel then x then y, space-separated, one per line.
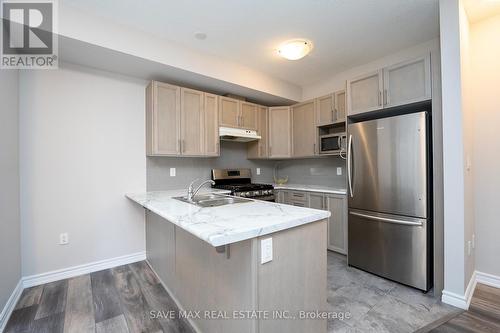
pixel 389 180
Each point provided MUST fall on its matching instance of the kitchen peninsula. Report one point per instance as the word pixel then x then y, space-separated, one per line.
pixel 259 258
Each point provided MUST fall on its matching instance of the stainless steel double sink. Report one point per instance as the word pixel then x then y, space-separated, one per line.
pixel 212 200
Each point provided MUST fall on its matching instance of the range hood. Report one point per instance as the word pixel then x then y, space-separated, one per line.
pixel 237 134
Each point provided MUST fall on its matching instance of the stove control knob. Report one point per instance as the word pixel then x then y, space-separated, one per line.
pixel 248 194
pixel 240 194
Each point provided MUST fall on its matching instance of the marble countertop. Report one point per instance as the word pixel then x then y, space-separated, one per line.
pixel 311 188
pixel 230 223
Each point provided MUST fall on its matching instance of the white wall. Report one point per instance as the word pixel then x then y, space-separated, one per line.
pixel 468 136
pixel 338 81
pixel 457 133
pixel 94 30
pixel 10 239
pixel 485 64
pixel 81 149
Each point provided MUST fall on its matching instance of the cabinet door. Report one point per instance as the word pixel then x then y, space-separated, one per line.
pixel 407 82
pixel 325 110
pixel 340 107
pixel 229 112
pixel 304 130
pixel 258 149
pixel 163 119
pixel 280 196
pixel 280 132
pixel 248 117
pixel 211 120
pixel 192 122
pixel 365 93
pixel 316 201
pixel 337 224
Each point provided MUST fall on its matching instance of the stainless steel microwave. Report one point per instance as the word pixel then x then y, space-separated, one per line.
pixel 332 143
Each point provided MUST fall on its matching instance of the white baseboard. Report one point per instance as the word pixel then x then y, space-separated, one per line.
pixel 65 273
pixel 10 305
pixel 488 279
pixel 461 301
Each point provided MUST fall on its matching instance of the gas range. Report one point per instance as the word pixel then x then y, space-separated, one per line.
pixel 239 182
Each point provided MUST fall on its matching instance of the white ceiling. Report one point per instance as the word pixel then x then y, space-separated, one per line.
pixel 478 10
pixel 345 33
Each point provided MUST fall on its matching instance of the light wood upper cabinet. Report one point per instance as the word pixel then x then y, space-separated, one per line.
pixel 365 93
pixel 211 120
pixel 229 112
pixel 259 148
pixel 192 122
pixel 325 114
pixel 337 223
pixel 238 114
pixel 331 109
pixel 163 119
pixel 407 82
pixel 181 121
pixel 280 126
pixel 400 84
pixel 248 117
pixel 340 106
pixel 304 129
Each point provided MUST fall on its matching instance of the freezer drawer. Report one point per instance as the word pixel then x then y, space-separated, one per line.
pixel 393 247
pixel 388 165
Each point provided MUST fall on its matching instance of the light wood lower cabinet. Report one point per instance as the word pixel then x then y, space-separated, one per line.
pixel 337 224
pixel 280 127
pixel 259 148
pixel 335 203
pixel 304 131
pixel 181 121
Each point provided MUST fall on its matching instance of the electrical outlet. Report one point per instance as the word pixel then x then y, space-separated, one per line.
pixel 469 247
pixel 172 172
pixel 266 250
pixel 63 239
pixel 339 171
pixel 257 171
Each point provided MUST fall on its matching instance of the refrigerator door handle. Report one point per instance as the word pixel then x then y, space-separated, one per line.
pixel 386 219
pixel 349 165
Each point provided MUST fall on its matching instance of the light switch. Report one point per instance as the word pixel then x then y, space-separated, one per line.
pixel 266 250
pixel 339 171
pixel 258 171
pixel 172 172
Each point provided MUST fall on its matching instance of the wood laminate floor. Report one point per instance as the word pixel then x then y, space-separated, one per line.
pixel 121 300
pixel 114 300
pixel 483 315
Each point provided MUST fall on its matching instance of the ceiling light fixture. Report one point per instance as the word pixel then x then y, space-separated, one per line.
pixel 295 49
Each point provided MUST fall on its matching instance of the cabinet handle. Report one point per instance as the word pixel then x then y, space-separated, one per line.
pixel 385 97
pixel 333 115
pixel 242 121
pixel 179 146
pixel 314 148
pixel 380 98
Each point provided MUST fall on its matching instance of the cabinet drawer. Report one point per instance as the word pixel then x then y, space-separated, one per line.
pixel 292 197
